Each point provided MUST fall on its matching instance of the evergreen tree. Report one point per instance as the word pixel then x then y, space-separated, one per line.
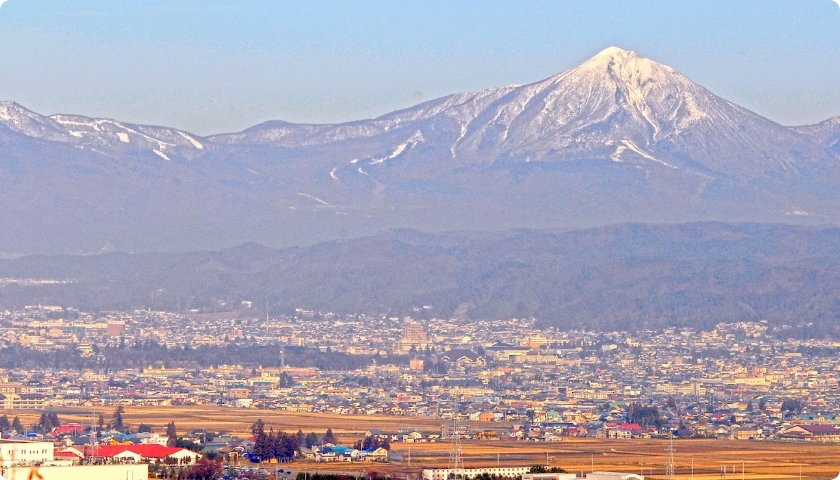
pixel 17 426
pixel 117 420
pixel 5 424
pixel 329 437
pixel 263 444
pixel 286 445
pixel 48 421
pixel 43 423
pixel 258 426
pixel 171 434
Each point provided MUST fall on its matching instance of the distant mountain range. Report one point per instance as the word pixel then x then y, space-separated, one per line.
pixel 619 138
pixel 622 277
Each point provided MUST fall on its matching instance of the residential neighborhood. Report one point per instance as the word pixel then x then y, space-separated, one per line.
pixel 738 381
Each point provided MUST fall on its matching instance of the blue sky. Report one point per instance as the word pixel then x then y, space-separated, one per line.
pixel 212 66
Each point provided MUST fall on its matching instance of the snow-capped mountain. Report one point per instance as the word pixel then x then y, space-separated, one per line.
pixel 617 106
pixel 100 134
pixel 618 138
pixel 19 120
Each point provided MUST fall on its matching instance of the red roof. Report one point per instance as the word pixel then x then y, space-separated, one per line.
pixel 635 427
pixel 68 428
pixel 145 451
pixel 820 429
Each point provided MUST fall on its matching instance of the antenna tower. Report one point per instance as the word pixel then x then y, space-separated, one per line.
pixel 669 469
pixel 456 461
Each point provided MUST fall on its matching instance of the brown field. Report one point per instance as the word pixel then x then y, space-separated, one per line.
pixel 759 460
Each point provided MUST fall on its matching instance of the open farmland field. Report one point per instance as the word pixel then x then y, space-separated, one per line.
pixel 759 460
pixel 236 421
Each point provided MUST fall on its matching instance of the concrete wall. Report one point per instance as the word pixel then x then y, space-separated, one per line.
pixel 549 476
pixel 613 476
pixel 82 472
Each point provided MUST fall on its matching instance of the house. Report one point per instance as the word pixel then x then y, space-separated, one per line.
pixel 308 453
pixel 336 453
pixel 325 454
pixel 464 358
pixel 486 417
pixel 143 453
pixel 378 454
pixel 68 429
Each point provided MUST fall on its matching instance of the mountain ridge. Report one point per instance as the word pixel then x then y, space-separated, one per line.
pixel 619 277
pixel 619 138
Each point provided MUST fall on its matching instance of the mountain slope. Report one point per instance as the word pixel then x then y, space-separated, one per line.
pixel 620 138
pixel 617 277
pixel 827 133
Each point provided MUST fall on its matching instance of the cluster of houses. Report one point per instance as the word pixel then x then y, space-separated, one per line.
pixel 719 426
pixel 341 453
pixel 730 382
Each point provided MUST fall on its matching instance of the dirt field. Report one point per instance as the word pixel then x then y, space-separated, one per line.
pixel 758 460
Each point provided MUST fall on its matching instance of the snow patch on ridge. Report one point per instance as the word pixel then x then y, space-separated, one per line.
pixel 628 145
pixel 322 202
pixel 411 142
pixel 190 139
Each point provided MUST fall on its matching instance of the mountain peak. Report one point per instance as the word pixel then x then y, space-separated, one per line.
pixel 7 108
pixel 614 59
pixel 613 52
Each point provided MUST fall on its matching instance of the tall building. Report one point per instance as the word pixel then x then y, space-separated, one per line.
pixel 413 336
pixel 115 329
pixel 413 333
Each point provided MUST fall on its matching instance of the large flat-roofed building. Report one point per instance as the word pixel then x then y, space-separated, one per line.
pixel 24 453
pixel 467 473
pixel 80 472
pixel 513 472
pixel 22 401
